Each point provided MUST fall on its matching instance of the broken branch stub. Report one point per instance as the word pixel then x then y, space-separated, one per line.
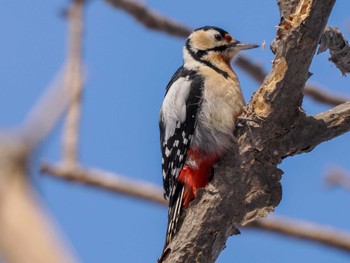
pixel 338 46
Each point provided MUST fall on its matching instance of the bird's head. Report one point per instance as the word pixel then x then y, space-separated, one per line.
pixel 211 42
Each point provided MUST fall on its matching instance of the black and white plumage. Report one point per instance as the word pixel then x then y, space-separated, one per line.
pixel 197 117
pixel 177 125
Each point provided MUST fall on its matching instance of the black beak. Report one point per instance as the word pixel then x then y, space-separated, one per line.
pixel 242 46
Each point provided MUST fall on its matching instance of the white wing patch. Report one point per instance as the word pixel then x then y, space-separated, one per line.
pixel 174 106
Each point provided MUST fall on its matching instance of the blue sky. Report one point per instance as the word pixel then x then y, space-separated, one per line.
pixel 127 69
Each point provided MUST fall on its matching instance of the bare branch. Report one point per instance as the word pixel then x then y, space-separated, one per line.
pixel 151 19
pixel 304 230
pixel 338 46
pixel 309 132
pixel 46 113
pixel 255 70
pixel 107 181
pixel 70 134
pixel 336 121
pixel 317 94
pixel 323 96
pixel 145 191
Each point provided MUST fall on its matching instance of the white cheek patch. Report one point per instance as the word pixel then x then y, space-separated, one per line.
pixel 174 106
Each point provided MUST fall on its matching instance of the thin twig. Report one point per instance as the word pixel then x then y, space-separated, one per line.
pixel 45 114
pixel 322 96
pixel 64 88
pixel 257 72
pixel 148 192
pixel 151 19
pixel 107 181
pixel 71 129
pixel 329 236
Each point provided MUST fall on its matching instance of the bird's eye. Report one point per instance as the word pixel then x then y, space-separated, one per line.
pixel 218 37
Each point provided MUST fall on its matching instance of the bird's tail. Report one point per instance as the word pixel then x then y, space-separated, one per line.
pixel 174 213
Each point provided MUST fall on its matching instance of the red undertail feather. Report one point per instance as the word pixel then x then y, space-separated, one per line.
pixel 195 176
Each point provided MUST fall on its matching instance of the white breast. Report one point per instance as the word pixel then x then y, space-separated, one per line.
pixel 222 104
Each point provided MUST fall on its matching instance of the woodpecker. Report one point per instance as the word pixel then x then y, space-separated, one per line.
pixel 202 102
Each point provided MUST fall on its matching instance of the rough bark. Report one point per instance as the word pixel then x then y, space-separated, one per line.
pixel 246 184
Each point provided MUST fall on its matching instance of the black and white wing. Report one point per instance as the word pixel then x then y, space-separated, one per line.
pixel 177 122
